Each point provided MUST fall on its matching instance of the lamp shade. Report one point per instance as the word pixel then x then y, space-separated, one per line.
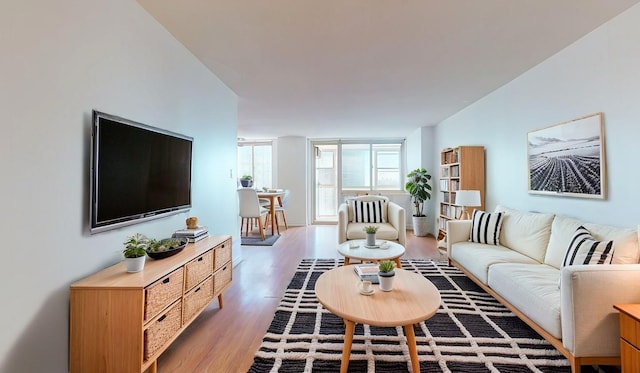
pixel 468 198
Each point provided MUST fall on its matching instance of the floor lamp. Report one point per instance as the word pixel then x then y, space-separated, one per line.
pixel 467 198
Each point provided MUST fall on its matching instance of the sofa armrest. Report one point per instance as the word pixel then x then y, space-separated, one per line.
pixel 588 292
pixel 397 218
pixel 457 231
pixel 343 222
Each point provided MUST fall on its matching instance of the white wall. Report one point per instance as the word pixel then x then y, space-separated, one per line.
pixel 290 171
pixel 421 153
pixel 598 73
pixel 60 60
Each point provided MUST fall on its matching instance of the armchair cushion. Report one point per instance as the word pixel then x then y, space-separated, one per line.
pixel 368 211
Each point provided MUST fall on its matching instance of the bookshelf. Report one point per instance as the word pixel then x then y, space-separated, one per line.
pixel 461 168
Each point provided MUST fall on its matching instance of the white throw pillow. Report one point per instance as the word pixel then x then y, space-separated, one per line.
pixel 485 227
pixel 584 249
pixel 368 211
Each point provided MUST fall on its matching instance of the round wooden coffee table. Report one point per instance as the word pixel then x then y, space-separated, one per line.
pixel 412 300
pixel 393 251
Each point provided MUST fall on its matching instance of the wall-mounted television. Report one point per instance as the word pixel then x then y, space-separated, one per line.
pixel 138 172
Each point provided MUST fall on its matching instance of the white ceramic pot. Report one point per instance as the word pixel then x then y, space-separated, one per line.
pixel 386 280
pixel 134 264
pixel 420 226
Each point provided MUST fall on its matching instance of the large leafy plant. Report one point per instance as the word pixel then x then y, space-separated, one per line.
pixel 418 187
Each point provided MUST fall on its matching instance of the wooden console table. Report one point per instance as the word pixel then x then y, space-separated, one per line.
pixel 122 322
pixel 629 336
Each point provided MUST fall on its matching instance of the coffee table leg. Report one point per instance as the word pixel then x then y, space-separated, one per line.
pixel 413 350
pixel 346 260
pixel 398 264
pixel 348 339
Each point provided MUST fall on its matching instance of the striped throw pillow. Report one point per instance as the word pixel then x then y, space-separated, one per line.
pixel 369 212
pixel 485 227
pixel 584 249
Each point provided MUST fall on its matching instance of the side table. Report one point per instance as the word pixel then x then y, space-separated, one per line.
pixel 629 336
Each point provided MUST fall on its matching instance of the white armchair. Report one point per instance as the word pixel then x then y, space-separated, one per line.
pixel 391 223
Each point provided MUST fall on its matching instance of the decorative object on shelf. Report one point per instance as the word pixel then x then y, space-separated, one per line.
pixel 246 181
pixel 386 274
pixel 419 188
pixel 135 252
pixel 371 230
pixel 166 247
pixel 467 198
pixel 192 222
pixel 567 159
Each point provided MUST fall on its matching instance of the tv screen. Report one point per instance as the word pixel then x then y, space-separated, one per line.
pixel 138 173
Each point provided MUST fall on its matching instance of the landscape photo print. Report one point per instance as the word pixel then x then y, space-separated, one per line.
pixel 567 159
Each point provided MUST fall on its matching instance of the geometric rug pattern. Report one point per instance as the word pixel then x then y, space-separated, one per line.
pixel 471 332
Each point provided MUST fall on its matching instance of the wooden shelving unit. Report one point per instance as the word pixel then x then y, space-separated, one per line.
pixel 461 168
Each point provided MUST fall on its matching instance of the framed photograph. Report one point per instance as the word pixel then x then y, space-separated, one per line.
pixel 567 159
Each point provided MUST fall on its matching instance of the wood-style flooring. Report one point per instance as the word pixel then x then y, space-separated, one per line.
pixel 225 340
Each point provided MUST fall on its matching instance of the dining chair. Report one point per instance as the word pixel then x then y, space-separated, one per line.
pixel 280 209
pixel 250 210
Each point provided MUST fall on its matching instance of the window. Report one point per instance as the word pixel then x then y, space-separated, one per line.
pixel 255 159
pixel 371 166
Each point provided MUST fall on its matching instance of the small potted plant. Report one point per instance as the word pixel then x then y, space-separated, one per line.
pixel 135 250
pixel 419 189
pixel 246 181
pixel 386 274
pixel 371 230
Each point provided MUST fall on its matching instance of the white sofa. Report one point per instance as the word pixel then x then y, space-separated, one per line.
pixel 571 306
pixel 392 228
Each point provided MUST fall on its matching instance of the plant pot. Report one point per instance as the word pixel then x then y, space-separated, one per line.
pixel 386 280
pixel 420 226
pixel 371 239
pixel 246 183
pixel 134 264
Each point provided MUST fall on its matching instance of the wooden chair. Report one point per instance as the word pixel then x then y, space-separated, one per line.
pixel 280 209
pixel 250 211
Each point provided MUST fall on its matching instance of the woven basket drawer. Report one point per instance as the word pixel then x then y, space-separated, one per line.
pixel 162 293
pixel 222 278
pixel 196 299
pixel 198 269
pixel 222 254
pixel 162 330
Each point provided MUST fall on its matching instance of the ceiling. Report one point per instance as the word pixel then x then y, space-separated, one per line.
pixel 370 68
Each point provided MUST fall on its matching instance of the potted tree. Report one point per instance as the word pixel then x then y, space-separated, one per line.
pixel 371 230
pixel 246 181
pixel 386 274
pixel 418 187
pixel 135 250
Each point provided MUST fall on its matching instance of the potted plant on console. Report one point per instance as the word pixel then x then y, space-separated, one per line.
pixel 246 181
pixel 418 187
pixel 135 250
pixel 386 274
pixel 371 230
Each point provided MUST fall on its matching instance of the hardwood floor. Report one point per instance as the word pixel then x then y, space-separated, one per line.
pixel 225 340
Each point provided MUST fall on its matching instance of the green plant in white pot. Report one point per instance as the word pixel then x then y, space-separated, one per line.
pixel 419 189
pixel 246 181
pixel 371 230
pixel 386 274
pixel 135 251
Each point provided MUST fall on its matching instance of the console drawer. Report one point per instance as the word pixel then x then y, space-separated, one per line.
pixel 222 254
pixel 161 330
pixel 162 293
pixel 222 278
pixel 198 269
pixel 197 298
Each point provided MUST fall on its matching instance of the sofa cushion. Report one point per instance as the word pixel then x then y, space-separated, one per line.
pixel 625 240
pixel 369 211
pixel 476 257
pixel 526 232
pixel 386 231
pixel 532 289
pixel 584 249
pixel 485 227
pixel 351 203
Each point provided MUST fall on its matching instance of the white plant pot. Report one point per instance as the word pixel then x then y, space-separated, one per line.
pixel 420 226
pixel 386 281
pixel 134 264
pixel 371 239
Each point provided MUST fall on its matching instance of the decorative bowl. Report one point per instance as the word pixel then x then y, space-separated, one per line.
pixel 166 247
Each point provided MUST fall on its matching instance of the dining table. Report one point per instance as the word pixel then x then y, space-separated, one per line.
pixel 272 195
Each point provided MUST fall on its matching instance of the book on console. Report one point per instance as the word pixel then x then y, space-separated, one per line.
pixel 195 232
pixel 367 272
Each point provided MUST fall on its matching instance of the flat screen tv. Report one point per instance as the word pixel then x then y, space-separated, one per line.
pixel 138 172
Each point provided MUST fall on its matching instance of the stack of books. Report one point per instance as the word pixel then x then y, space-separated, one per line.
pixel 367 272
pixel 192 235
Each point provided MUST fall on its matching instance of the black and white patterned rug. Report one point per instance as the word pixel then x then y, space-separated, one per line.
pixel 471 332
